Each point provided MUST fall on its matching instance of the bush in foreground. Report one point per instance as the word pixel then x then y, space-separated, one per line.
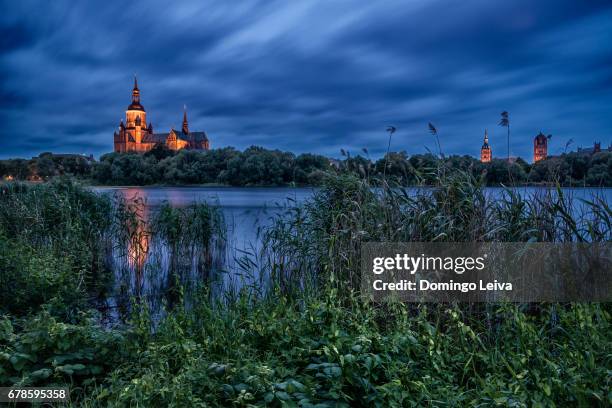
pixel 325 347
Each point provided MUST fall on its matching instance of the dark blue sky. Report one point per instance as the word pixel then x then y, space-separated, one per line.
pixel 303 76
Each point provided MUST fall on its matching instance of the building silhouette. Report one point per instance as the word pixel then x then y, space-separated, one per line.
pixel 136 136
pixel 596 148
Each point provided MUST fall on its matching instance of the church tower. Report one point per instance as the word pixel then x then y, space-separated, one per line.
pixel 135 116
pixel 185 125
pixel 540 147
pixel 485 150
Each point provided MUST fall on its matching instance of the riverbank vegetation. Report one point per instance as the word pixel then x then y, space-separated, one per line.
pixel 257 166
pixel 296 332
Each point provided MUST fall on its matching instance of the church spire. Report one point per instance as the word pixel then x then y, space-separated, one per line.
pixel 185 125
pixel 485 151
pixel 135 92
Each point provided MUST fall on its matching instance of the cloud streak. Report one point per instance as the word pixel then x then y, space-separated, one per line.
pixel 307 76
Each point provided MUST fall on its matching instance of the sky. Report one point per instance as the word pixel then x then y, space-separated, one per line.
pixel 308 76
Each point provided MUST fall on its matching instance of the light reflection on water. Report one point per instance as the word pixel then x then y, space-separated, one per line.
pixel 138 245
pixel 246 211
pixel 143 263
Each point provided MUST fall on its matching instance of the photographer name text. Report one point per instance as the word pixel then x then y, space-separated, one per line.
pixel 404 263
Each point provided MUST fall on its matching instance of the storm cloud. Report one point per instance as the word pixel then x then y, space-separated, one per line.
pixel 307 76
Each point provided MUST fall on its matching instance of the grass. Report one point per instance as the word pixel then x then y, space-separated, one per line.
pixel 320 242
pixel 308 340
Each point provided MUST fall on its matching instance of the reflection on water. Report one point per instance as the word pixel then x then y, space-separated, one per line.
pixel 245 210
pixel 149 263
pixel 139 236
pixel 170 241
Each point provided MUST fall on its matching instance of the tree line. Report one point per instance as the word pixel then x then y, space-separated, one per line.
pixel 257 166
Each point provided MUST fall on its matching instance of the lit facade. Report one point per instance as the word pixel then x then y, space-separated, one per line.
pixel 540 147
pixel 135 135
pixel 485 150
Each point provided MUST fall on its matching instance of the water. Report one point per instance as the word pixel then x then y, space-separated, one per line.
pixel 145 275
pixel 248 210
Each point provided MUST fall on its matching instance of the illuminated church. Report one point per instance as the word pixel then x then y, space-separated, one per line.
pixel 485 150
pixel 135 135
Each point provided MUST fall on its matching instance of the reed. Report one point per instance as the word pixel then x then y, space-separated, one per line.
pixel 320 242
pixel 106 249
pixel 301 341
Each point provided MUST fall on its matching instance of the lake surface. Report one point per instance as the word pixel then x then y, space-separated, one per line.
pixel 247 210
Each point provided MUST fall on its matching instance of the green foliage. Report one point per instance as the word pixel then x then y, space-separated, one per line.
pixel 257 166
pixel 253 167
pixel 321 241
pixel 30 279
pixel 43 351
pixel 310 340
pixel 46 166
pixel 575 169
pixel 319 352
pixel 54 246
pixel 324 354
pixel 127 169
pixel 307 168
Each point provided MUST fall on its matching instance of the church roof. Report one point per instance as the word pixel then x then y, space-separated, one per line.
pixel 155 138
pixel 161 137
pixel 136 106
pixel 195 136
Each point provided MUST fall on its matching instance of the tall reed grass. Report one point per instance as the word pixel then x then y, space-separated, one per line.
pixel 111 249
pixel 320 242
pixel 306 340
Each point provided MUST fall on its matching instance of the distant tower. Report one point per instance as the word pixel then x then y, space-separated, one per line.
pixel 485 150
pixel 185 126
pixel 596 147
pixel 540 147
